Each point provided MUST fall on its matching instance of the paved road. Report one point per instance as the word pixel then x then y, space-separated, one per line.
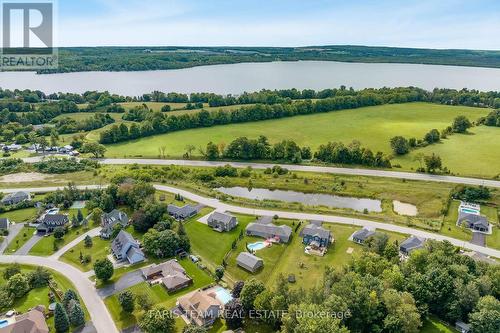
pixel 13 231
pixel 92 233
pixel 309 168
pixel 127 280
pixel 25 249
pixel 217 204
pixel 98 312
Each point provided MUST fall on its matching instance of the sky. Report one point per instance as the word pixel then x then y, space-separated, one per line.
pixel 473 24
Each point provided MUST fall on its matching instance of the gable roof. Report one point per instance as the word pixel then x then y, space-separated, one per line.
pixel 133 251
pixel 173 274
pixel 474 219
pixel 248 259
pixel 199 302
pixel 18 194
pixel 4 222
pixel 185 210
pixel 314 230
pixel 221 217
pixel 413 242
pixel 123 238
pixel 115 215
pixel 55 220
pixel 32 321
pixel 363 234
pixel 270 228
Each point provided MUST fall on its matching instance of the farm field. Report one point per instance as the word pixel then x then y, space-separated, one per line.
pixel 372 126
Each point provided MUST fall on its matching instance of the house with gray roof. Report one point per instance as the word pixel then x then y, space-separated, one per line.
pixel 32 321
pixel 249 262
pixel 169 273
pixel 109 220
pixel 16 197
pixel 362 235
pixel 52 221
pixel 473 221
pixel 410 244
pixel 125 247
pixel 182 213
pixel 314 234
pixel 269 230
pixel 222 221
pixel 4 223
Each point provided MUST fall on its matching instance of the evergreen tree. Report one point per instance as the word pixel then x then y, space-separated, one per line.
pixel 76 315
pixel 61 321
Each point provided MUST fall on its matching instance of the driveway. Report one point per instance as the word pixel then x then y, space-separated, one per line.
pixel 127 280
pixel 478 238
pixel 13 231
pixel 25 249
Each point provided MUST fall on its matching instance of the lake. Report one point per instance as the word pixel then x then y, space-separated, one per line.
pixel 237 78
pixel 309 199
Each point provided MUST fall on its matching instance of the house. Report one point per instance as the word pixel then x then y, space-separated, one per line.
pixel 125 247
pixel 32 321
pixel 201 307
pixel 462 327
pixel 477 256
pixel 12 147
pixel 4 223
pixel 222 221
pixel 66 149
pixel 410 244
pixel 361 235
pixel 249 262
pixel 314 234
pixel 182 213
pixel 473 221
pixel 109 220
pixel 16 197
pixel 170 273
pixel 52 221
pixel 264 228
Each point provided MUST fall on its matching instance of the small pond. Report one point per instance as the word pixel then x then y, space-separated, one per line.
pixel 310 199
pixel 406 209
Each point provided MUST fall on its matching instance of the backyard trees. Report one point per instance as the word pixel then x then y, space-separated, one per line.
pixel 400 145
pixel 461 124
pixel 11 270
pixel 158 319
pixel 163 244
pixel 61 320
pixel 238 286
pixel 127 302
pixel 18 285
pixel 219 273
pixel 103 269
pixel 234 313
pixel 87 241
pixel 486 317
pixel 144 301
pixel 76 315
pixel 249 293
pixel 59 232
pixel 96 215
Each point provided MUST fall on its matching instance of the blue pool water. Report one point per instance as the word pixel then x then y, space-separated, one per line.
pixel 223 295
pixel 472 211
pixel 256 246
pixel 3 323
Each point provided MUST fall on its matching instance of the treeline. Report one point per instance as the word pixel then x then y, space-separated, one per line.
pixel 157 123
pixel 69 125
pixel 376 292
pixel 492 119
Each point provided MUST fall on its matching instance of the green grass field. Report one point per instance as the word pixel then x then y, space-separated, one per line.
pixel 99 250
pixel 372 126
pixel 21 238
pixel 20 215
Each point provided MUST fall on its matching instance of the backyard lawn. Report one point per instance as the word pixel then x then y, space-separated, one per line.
pixel 45 246
pixel 100 249
pixel 39 296
pixel 20 215
pixel 434 325
pixel 158 295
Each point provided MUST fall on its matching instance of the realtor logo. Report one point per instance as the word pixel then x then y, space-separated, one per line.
pixel 28 35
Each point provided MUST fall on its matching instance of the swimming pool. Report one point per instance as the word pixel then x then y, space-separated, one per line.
pixel 256 246
pixel 471 211
pixel 4 323
pixel 223 295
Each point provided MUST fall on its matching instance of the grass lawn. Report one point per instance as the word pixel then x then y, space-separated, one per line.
pixel 45 246
pixel 79 116
pixel 373 126
pixel 158 295
pixel 99 250
pixel 39 296
pixel 21 215
pixel 22 237
pixel 211 245
pixel 434 325
pixel 272 256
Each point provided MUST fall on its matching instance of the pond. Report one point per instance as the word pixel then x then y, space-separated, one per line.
pixel 309 199
pixel 237 78
pixel 406 209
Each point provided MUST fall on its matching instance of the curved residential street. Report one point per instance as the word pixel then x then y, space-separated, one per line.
pixel 221 206
pixel 98 312
pixel 305 168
